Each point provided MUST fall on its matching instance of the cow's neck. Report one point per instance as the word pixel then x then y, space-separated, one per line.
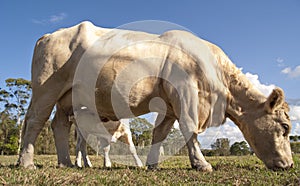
pixel 243 96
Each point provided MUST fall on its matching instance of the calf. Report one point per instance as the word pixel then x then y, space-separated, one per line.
pixel 63 119
pixel 117 130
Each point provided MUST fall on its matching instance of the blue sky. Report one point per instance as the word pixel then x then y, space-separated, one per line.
pixel 262 37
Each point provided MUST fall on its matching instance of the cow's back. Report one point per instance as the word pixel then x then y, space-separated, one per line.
pixel 58 53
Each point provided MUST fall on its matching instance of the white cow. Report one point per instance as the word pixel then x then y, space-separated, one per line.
pixel 118 73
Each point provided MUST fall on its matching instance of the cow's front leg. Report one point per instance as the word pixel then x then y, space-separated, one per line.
pixel 187 109
pixel 197 159
pixel 160 132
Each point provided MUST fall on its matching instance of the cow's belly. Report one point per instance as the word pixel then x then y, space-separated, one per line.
pixel 128 80
pixel 123 99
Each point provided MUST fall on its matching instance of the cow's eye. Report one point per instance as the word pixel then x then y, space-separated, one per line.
pixel 286 128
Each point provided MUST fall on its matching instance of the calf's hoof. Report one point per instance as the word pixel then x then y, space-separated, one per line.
pixel 107 165
pixel 139 164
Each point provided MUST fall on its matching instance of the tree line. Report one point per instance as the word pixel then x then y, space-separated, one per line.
pixel 14 100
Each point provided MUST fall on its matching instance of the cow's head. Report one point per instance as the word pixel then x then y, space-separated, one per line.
pixel 266 127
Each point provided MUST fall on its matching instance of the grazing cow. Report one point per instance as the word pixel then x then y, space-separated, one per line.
pixel 128 73
pixel 116 129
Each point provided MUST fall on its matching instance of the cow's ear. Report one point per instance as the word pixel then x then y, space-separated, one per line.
pixel 275 100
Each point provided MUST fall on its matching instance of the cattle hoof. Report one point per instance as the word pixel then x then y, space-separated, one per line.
pixel 31 167
pixel 107 165
pixel 152 167
pixel 205 168
pixel 61 165
pixel 89 166
pixel 139 164
pixel 78 166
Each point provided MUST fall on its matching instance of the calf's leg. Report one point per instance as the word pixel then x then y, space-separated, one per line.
pixel 128 140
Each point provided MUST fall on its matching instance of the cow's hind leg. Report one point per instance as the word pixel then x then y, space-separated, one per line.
pixel 37 114
pixel 61 129
pixel 160 132
pixel 81 151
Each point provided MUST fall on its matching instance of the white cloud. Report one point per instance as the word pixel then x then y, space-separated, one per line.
pixel 228 130
pixel 294 113
pixel 51 20
pixel 286 70
pixel 295 129
pixel 292 73
pixel 280 62
pixel 265 89
pixel 57 18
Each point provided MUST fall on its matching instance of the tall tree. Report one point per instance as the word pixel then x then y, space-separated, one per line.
pixel 8 134
pixel 221 147
pixel 175 143
pixel 45 142
pixel 294 138
pixel 141 131
pixel 15 100
pixel 239 148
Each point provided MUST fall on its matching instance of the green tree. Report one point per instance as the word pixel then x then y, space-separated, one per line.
pixel 8 134
pixel 221 147
pixel 45 142
pixel 239 149
pixel 294 138
pixel 14 101
pixel 141 131
pixel 175 143
pixel 295 147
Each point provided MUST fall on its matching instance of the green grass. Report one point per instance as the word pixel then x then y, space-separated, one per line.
pixel 245 170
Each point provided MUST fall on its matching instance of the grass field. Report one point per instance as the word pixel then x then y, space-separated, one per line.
pixel 245 170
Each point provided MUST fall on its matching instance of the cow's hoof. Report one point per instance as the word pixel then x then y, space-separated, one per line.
pixel 203 168
pixel 152 167
pixel 30 167
pixel 61 165
pixel 78 166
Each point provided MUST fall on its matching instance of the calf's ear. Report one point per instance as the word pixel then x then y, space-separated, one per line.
pixel 275 100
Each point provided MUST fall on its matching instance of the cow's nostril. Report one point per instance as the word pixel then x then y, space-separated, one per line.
pixel 292 165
